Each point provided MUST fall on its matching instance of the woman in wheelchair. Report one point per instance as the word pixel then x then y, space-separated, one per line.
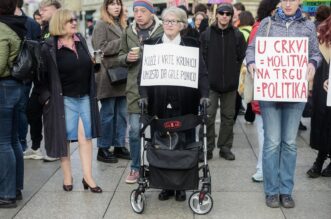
pixel 171 101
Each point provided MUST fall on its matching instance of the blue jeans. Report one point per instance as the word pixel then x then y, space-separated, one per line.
pixel 23 120
pixel 11 154
pixel 280 124
pixel 134 139
pixel 113 122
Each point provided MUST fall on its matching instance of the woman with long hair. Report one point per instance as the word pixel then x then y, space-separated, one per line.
pixel 107 38
pixel 320 135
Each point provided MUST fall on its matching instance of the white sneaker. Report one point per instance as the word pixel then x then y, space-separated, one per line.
pixel 33 154
pixel 257 177
pixel 50 159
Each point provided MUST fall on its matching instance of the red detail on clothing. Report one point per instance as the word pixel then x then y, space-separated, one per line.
pixel 74 49
pixel 172 124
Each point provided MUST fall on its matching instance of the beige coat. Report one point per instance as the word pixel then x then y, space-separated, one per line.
pixel 107 38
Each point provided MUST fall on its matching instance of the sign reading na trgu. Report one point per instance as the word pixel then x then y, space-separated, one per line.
pixel 281 69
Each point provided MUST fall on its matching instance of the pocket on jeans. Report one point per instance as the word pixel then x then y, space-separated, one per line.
pixel 10 93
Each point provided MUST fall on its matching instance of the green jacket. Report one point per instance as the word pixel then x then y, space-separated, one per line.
pixel 9 48
pixel 130 40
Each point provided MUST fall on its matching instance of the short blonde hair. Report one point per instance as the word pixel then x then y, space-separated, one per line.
pixel 59 19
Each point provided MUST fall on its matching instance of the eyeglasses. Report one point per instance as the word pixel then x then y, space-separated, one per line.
pixel 225 13
pixel 72 20
pixel 170 22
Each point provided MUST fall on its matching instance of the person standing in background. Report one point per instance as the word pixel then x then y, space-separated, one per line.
pixel 47 8
pixel 12 30
pixel 107 38
pixel 33 33
pixel 145 25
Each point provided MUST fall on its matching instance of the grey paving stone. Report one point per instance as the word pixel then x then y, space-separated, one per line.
pixel 248 205
pixel 66 205
pixel 232 179
pixel 304 183
pixel 310 205
pixel 153 209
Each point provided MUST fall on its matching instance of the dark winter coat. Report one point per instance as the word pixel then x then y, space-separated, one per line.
pixel 223 52
pixel 53 112
pixel 320 135
pixel 186 99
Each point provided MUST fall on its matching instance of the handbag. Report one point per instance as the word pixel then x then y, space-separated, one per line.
pixel 117 75
pixel 246 85
pixel 27 62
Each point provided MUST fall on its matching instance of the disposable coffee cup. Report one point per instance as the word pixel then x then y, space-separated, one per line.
pixel 98 56
pixel 135 50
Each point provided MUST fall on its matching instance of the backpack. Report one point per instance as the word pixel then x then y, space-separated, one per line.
pixel 27 63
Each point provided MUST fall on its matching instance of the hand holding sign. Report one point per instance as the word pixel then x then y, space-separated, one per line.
pixel 252 69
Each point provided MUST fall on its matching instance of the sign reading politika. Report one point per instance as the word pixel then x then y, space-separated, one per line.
pixel 281 69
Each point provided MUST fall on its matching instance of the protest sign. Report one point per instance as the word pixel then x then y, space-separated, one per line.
pixel 169 64
pixel 281 69
pixel 328 102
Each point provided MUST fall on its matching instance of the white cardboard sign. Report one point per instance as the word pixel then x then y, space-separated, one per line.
pixel 281 64
pixel 171 65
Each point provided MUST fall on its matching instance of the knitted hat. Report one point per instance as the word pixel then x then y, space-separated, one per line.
pixel 144 3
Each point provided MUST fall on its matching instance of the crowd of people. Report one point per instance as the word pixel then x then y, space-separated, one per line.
pixel 62 100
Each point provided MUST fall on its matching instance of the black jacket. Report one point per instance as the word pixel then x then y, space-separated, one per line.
pixel 184 100
pixel 223 52
pixel 320 135
pixel 53 113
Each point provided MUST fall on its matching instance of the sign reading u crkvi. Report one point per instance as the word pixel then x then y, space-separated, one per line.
pixel 169 64
pixel 281 69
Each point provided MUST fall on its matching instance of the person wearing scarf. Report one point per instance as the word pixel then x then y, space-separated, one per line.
pixel 172 101
pixel 281 119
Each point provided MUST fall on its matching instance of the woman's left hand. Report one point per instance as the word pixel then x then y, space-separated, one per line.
pixel 310 72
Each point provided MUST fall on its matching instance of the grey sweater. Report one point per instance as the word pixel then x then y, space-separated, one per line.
pixel 297 28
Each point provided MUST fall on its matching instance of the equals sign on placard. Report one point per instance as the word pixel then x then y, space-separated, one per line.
pixel 258 89
pixel 262 62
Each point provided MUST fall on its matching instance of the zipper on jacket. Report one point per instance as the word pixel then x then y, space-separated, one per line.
pixel 223 56
pixel 287 24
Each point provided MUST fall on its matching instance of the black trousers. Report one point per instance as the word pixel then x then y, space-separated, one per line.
pixel 34 113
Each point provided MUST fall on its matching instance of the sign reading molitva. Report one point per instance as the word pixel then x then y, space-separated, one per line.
pixel 169 64
pixel 281 69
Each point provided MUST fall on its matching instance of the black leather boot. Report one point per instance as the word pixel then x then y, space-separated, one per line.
pixel 122 152
pixel 105 156
pixel 166 194
pixel 316 169
pixel 327 171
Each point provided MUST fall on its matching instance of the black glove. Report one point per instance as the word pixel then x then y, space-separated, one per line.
pixel 205 101
pixel 143 102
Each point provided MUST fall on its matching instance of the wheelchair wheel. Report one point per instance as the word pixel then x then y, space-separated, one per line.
pixel 201 208
pixel 137 200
